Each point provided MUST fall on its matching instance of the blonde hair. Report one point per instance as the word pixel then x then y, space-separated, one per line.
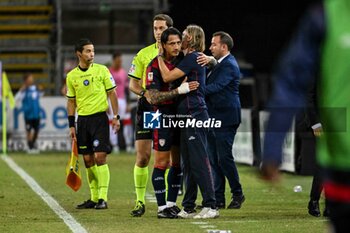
pixel 198 37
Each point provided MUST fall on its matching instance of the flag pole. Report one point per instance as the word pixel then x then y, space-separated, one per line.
pixel 3 112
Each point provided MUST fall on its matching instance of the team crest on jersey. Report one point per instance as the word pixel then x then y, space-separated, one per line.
pixel 161 142
pixel 132 69
pixel 150 76
pixel 96 143
pixel 86 82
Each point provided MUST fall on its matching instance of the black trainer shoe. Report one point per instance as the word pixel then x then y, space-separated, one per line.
pixel 86 205
pixel 314 208
pixel 174 210
pixel 101 205
pixel 236 202
pixel 166 213
pixel 139 209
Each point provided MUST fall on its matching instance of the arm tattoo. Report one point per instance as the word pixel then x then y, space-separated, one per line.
pixel 159 96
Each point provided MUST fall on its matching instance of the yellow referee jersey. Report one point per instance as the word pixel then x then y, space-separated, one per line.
pixel 89 88
pixel 141 61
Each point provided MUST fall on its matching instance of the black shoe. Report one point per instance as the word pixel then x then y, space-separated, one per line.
pixel 101 205
pixel 236 202
pixel 139 209
pixel 174 210
pixel 326 212
pixel 86 205
pixel 166 213
pixel 220 206
pixel 314 208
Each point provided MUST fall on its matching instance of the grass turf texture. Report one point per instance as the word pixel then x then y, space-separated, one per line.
pixel 266 209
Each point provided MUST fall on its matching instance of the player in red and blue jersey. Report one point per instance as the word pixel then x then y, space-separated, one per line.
pixel 165 139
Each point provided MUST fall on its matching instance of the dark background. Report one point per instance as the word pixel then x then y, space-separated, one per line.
pixel 260 29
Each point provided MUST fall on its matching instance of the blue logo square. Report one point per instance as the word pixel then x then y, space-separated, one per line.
pixel 151 120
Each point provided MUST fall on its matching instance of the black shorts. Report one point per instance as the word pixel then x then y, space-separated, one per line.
pixel 165 138
pixel 93 134
pixel 140 132
pixel 32 124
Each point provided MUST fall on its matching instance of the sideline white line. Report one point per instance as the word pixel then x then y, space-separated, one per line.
pixel 50 201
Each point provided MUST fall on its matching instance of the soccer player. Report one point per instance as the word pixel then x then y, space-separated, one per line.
pixel 143 137
pixel 161 95
pixel 89 86
pixel 29 96
pixel 193 140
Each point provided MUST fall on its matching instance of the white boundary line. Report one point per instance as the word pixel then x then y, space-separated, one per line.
pixel 50 201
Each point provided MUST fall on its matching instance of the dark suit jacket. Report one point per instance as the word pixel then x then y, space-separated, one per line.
pixel 222 92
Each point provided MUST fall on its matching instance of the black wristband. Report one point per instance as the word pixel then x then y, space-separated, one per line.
pixel 71 121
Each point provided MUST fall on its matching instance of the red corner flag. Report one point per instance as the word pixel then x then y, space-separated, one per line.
pixel 73 179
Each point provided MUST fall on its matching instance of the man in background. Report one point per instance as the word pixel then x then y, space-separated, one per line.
pixel 121 80
pixel 29 97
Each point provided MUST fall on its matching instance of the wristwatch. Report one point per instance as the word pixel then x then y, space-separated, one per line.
pixel 116 117
pixel 142 93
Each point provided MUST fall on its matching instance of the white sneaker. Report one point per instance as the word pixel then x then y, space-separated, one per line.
pixel 186 214
pixel 36 151
pixel 130 149
pixel 207 213
pixel 33 151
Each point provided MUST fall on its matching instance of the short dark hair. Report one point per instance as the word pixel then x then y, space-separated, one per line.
pixel 164 17
pixel 169 31
pixel 225 38
pixel 26 76
pixel 116 54
pixel 79 46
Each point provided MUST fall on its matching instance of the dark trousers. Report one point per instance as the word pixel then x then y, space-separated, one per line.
pixel 222 162
pixel 196 167
pixel 316 188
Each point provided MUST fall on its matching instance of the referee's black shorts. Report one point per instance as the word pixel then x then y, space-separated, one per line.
pixel 140 132
pixel 93 134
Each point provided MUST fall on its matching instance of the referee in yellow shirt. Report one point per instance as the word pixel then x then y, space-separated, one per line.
pixel 143 137
pixel 89 86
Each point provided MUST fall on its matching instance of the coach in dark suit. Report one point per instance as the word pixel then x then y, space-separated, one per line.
pixel 308 128
pixel 222 98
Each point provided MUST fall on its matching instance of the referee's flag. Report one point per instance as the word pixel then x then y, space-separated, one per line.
pixel 5 94
pixel 6 91
pixel 73 174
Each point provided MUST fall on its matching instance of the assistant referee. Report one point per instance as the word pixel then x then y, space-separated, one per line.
pixel 88 87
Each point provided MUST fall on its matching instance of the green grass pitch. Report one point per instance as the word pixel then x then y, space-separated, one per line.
pixel 266 209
